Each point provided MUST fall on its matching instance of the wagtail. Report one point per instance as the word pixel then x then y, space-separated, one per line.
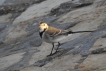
pixel 53 35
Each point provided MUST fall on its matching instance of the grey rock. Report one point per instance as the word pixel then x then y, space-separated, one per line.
pixel 43 62
pixel 75 70
pixel 11 6
pixel 103 25
pixel 2 27
pixel 30 42
pixel 98 51
pixel 101 3
pixel 68 6
pixel 85 53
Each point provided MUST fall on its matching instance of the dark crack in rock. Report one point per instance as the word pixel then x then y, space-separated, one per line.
pixel 79 62
pixel 75 70
pixel 65 25
pixel 101 3
pixel 104 36
pixel 68 6
pixel 12 9
pixel 30 41
pixel 23 63
pixel 14 2
pixel 43 62
pixel 24 43
pixel 17 7
pixel 52 21
pixel 98 51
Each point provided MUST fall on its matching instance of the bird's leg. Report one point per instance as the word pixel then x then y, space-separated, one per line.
pixel 56 49
pixel 51 50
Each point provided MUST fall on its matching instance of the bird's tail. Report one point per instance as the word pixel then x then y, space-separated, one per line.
pixel 71 32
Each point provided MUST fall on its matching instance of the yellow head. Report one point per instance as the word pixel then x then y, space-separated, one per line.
pixel 43 26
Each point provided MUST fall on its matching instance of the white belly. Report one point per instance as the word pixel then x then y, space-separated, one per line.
pixel 55 39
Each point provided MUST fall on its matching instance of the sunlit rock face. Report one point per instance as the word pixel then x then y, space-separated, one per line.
pixel 22 49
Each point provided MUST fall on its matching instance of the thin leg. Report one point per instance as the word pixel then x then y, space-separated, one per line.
pixel 51 50
pixel 58 47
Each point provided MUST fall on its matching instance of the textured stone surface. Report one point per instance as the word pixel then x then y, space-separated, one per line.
pixel 10 60
pixel 5 18
pixel 38 10
pixel 92 63
pixel 100 43
pixel 2 1
pixel 22 49
pixel 70 5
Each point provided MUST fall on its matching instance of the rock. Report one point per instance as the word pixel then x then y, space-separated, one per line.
pixel 99 45
pixel 10 60
pixel 63 63
pixel 2 27
pixel 5 18
pixel 35 42
pixel 100 3
pixel 39 1
pixel 22 9
pixel 38 10
pixel 98 51
pixel 68 6
pixel 75 70
pixel 19 35
pixel 92 63
pixel 85 53
pixel 13 70
pixel 1 2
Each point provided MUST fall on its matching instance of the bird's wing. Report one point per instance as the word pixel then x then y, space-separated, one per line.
pixel 56 32
pixel 52 31
pixel 61 32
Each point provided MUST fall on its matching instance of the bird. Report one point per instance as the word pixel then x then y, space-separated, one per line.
pixel 54 35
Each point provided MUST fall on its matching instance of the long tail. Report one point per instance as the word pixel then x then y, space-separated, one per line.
pixel 71 32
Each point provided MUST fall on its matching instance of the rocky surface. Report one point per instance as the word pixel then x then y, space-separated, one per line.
pixel 21 48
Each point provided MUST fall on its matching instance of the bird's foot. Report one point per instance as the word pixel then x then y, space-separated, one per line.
pixel 52 53
pixel 49 55
pixel 55 52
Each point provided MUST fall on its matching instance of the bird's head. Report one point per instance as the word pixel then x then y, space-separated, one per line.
pixel 43 26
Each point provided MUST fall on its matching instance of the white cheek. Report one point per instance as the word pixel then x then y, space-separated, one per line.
pixel 41 29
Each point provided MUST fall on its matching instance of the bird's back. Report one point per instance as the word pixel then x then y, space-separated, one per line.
pixel 52 31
